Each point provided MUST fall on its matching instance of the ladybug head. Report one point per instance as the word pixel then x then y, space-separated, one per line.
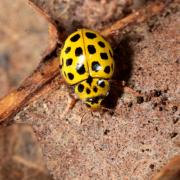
pixel 94 102
pixel 92 91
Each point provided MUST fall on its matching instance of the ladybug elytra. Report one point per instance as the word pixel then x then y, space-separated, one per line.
pixel 87 63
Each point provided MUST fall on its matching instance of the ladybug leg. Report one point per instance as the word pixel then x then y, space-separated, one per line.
pixel 72 101
pixel 72 98
pixel 70 105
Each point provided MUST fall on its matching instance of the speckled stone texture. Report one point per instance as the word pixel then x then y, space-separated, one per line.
pixel 140 135
pixel 87 13
pixel 21 32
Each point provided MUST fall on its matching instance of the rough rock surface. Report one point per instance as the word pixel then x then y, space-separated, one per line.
pixel 21 156
pixel 21 31
pixel 135 139
pixel 87 13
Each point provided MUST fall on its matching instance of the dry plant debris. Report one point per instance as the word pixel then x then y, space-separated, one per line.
pixel 49 68
pixel 171 171
pixel 135 141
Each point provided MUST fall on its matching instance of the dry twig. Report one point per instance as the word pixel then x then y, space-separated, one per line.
pixel 49 68
pixel 136 17
pixel 170 171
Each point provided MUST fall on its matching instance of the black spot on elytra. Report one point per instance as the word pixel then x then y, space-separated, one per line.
pixel 78 51
pixel 70 76
pixel 91 49
pixel 104 56
pixel 75 38
pixel 80 68
pixel 88 91
pixel 67 50
pixel 107 69
pixel 89 80
pixel 95 89
pixel 95 66
pixel 90 35
pixel 80 88
pixel 101 83
pixel 110 53
pixel 101 44
pixel 69 61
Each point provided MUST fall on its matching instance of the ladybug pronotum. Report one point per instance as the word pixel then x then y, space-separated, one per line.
pixel 87 63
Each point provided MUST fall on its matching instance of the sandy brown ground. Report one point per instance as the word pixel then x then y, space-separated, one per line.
pixel 142 134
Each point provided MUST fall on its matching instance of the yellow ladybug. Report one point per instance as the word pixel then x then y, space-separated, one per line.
pixel 87 63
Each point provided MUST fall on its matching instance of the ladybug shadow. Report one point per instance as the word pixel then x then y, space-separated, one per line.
pixel 123 57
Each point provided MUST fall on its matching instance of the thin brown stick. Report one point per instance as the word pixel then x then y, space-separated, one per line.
pixel 14 101
pixel 136 17
pixel 48 69
pixel 54 33
pixel 42 12
pixel 170 171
